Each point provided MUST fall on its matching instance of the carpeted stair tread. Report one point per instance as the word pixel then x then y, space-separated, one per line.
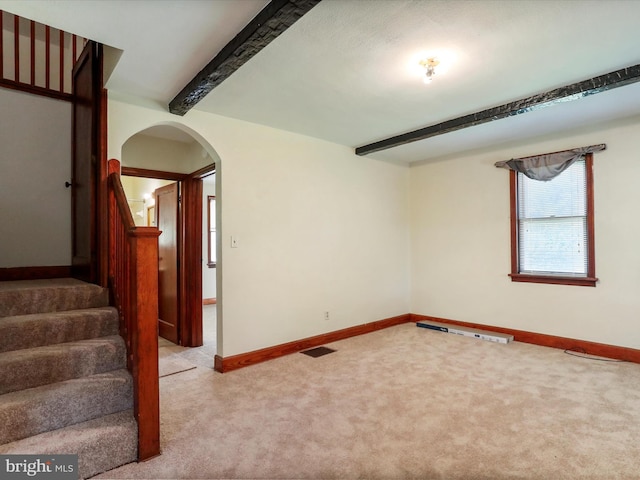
pixel 38 329
pixel 102 444
pixel 29 412
pixel 33 367
pixel 23 297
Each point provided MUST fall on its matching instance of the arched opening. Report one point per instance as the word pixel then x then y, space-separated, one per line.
pixel 169 175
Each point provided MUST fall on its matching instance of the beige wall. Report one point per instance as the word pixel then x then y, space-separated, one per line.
pixel 460 250
pixel 153 153
pixel 318 229
pixel 35 162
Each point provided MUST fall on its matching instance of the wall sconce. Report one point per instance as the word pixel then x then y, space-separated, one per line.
pixel 429 64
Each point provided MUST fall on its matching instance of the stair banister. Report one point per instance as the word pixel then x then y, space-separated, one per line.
pixel 133 278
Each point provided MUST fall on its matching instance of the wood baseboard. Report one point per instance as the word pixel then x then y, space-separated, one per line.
pixel 591 348
pixel 234 362
pixel 208 301
pixel 34 273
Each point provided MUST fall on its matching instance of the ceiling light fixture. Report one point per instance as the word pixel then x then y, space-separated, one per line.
pixel 429 65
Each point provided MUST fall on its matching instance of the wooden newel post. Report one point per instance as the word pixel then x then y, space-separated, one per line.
pixel 144 275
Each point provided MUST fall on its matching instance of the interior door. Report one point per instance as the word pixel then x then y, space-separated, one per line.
pixel 86 163
pixel 167 221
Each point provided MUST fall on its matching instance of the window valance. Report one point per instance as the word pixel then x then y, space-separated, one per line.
pixel 549 165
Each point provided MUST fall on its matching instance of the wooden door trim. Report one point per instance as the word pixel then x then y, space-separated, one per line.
pixel 190 252
pixel 103 190
pixel 204 171
pixel 191 256
pixel 156 174
pixel 89 263
pixel 191 263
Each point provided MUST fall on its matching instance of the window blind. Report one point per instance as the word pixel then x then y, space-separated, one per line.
pixel 552 224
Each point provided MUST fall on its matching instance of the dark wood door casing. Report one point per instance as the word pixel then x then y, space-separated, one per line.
pixel 87 163
pixel 191 278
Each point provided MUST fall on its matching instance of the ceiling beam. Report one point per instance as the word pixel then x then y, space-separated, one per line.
pixel 575 91
pixel 273 20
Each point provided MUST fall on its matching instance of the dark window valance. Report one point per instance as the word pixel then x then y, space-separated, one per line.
pixel 549 165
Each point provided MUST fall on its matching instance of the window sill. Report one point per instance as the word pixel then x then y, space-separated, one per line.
pixel 211 265
pixel 555 280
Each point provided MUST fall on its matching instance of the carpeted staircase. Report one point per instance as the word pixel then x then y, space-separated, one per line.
pixel 64 385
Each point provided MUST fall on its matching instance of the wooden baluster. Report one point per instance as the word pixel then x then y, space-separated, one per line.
pixel 16 47
pixel 1 44
pixel 74 49
pixel 33 53
pixel 47 49
pixel 61 66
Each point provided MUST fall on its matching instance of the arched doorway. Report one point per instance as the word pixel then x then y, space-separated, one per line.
pixel 171 158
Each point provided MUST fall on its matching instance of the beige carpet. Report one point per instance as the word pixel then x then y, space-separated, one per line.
pixel 174 359
pixel 172 364
pixel 403 403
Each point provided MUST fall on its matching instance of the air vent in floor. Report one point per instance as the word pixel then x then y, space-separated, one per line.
pixel 318 351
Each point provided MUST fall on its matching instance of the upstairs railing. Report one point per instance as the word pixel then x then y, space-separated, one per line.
pixel 37 57
pixel 133 282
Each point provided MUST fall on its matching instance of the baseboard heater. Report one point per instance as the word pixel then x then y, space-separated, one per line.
pixel 465 331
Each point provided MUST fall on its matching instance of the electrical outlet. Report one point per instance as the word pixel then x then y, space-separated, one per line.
pixel 234 242
pixel 326 315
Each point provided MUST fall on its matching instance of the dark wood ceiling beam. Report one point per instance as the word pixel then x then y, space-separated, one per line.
pixel 273 20
pixel 575 91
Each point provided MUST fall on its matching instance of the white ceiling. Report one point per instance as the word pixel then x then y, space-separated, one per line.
pixel 346 71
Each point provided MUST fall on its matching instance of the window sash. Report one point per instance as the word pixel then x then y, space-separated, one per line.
pixel 553 246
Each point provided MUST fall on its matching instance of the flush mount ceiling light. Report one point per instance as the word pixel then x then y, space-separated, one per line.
pixel 429 65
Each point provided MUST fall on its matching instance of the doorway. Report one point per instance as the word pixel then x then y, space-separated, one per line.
pixel 178 213
pixel 181 157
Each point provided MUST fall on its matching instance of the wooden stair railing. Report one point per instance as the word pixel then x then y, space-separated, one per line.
pixel 133 281
pixel 37 58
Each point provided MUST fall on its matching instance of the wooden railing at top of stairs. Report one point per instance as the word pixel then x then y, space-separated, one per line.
pixel 37 58
pixel 133 281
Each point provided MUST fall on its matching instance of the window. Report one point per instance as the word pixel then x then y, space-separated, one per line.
pixel 211 227
pixel 552 227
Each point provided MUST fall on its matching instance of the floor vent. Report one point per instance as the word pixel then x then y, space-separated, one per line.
pixel 318 351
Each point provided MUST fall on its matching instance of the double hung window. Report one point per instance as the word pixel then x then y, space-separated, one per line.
pixel 552 227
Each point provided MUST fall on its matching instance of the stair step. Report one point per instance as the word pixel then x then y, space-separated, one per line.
pixel 24 297
pixel 102 444
pixel 36 410
pixel 33 367
pixel 40 329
